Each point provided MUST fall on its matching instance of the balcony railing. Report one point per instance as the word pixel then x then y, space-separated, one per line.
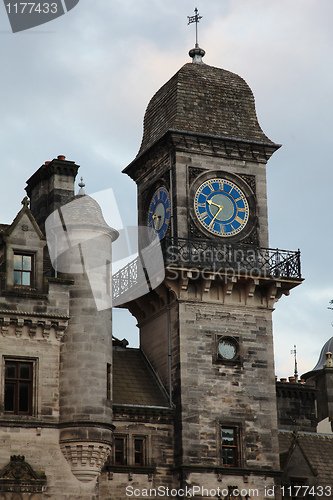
pixel 136 278
pixel 217 257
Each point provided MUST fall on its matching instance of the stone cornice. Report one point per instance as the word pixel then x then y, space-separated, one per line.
pixel 31 320
pixel 203 144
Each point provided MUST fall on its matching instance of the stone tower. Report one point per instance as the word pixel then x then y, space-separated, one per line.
pixel 80 245
pixel 207 330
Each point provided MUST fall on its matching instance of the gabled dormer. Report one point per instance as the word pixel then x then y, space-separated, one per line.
pixel 21 252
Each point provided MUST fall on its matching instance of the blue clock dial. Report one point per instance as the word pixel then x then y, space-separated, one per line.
pixel 159 213
pixel 221 207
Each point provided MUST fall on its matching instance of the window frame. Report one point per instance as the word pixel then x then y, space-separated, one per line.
pixel 141 453
pixel 123 451
pixel 21 270
pixel 16 380
pixel 218 358
pixel 129 454
pixel 235 447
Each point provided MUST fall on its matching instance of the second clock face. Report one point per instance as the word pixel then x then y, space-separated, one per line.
pixel 159 212
pixel 221 207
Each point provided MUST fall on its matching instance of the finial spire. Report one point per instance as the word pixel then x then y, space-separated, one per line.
pixel 81 186
pixel 197 53
pixel 294 352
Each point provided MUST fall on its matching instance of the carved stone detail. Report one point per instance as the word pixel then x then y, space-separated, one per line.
pixel 18 476
pixel 15 321
pixel 193 173
pixel 86 458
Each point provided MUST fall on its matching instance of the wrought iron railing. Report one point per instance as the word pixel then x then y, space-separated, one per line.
pixel 207 256
pixel 218 257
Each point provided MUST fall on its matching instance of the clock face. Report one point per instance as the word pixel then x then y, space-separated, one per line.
pixel 227 348
pixel 159 213
pixel 221 207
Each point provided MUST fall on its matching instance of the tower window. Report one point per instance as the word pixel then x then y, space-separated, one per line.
pixel 18 387
pixel 298 489
pixel 23 270
pixel 229 447
pixel 139 450
pixel 108 381
pixel 120 451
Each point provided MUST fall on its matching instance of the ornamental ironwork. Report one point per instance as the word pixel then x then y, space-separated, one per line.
pixel 210 256
pixel 261 262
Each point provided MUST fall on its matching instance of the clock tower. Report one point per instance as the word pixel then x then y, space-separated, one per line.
pixel 207 329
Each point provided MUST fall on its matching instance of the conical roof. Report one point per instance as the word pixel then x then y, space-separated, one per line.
pixel 203 99
pixel 83 209
pixel 328 347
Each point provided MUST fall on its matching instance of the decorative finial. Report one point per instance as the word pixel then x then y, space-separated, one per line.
pixel 197 53
pixel 25 202
pixel 81 186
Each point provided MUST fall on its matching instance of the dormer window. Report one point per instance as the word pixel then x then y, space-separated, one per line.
pixel 23 270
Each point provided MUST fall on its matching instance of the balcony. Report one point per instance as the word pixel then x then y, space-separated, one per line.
pixel 206 256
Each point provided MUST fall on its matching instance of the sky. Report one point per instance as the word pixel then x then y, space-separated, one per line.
pixel 79 85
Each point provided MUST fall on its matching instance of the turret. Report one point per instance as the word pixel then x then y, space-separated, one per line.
pixel 80 248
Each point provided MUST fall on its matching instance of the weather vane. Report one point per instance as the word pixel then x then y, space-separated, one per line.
pixel 195 19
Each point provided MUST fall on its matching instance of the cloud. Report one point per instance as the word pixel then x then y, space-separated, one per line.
pixel 79 86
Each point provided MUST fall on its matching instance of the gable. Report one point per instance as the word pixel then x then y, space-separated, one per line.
pixel 24 230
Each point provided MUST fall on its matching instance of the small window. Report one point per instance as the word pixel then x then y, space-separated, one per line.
pixel 139 451
pixel 18 387
pixel 229 447
pixel 108 381
pixel 23 270
pixel 120 451
pixel 298 489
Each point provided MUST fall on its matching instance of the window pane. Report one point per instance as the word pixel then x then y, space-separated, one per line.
pixel 228 456
pixel 9 396
pixel 228 436
pixel 17 261
pixel 24 392
pixel 138 445
pixel 26 262
pixel 119 454
pixel 138 451
pixel 25 279
pixel 25 371
pixel 10 370
pixel 17 278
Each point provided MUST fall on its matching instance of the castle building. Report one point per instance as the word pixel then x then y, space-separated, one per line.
pixel 196 410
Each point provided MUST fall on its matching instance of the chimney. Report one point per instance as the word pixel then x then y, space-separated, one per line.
pixel 51 186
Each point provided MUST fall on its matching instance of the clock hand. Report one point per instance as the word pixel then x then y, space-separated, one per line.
pixel 156 221
pixel 213 219
pixel 210 202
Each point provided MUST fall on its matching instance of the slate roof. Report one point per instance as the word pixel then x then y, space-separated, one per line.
pixel 133 381
pixel 206 100
pixel 318 450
